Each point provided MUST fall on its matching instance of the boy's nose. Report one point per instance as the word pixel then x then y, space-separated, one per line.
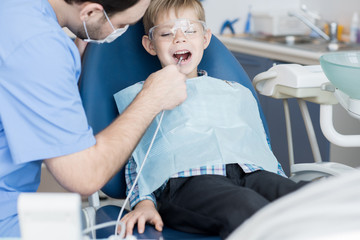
pixel 179 36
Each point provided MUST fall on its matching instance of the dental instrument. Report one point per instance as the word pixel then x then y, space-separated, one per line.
pixel 179 62
pixel 141 167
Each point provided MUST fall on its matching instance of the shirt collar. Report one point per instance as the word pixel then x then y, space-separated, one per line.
pixel 202 73
pixel 48 9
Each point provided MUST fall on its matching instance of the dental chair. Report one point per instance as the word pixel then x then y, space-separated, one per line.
pixel 108 68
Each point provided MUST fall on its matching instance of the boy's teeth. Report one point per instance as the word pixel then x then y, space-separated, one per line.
pixel 182 52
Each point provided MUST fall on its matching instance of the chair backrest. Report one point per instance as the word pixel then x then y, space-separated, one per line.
pixel 108 68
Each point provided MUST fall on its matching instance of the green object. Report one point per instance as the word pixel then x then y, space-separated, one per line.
pixel 343 71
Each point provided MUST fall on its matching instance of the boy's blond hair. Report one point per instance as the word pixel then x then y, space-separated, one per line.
pixel 159 7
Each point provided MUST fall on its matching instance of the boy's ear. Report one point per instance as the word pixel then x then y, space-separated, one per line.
pixel 148 45
pixel 207 38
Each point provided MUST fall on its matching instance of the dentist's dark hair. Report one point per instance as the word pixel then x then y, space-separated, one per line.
pixel 111 6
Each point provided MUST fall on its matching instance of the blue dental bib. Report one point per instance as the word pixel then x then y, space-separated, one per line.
pixel 219 123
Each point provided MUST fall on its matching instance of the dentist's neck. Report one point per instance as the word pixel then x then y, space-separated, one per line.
pixel 66 14
pixel 56 5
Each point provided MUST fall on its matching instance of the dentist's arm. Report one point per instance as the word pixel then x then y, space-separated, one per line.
pixel 87 171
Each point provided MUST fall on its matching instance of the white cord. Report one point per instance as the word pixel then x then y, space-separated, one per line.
pixel 104 225
pixel 136 179
pixel 141 167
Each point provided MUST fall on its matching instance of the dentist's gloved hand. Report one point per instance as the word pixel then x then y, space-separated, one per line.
pixel 143 212
pixel 167 88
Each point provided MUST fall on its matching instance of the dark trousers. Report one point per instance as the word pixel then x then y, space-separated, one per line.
pixel 217 205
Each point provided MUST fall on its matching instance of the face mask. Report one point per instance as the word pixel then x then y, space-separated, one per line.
pixel 111 37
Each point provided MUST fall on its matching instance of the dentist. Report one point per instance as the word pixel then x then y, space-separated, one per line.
pixel 41 114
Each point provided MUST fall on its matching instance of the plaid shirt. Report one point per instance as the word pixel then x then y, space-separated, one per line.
pixel 130 175
pixel 220 169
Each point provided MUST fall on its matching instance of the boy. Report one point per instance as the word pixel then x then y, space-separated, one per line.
pixel 210 167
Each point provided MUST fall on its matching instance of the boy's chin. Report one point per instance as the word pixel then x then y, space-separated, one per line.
pixel 189 73
pixel 185 69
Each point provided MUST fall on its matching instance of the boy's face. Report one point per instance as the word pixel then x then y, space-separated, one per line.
pixel 176 36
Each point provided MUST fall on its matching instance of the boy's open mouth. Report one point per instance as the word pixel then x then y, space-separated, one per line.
pixel 185 54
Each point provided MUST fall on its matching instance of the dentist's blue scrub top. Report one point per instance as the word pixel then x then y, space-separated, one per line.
pixel 41 114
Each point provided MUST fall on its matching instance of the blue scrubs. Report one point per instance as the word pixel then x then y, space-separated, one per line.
pixel 41 114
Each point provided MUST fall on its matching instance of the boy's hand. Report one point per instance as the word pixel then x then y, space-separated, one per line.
pixel 166 88
pixel 144 211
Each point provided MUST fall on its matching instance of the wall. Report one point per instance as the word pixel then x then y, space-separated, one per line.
pixel 335 10
pixel 331 10
pixel 219 11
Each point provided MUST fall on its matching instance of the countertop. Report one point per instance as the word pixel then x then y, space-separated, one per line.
pixel 269 50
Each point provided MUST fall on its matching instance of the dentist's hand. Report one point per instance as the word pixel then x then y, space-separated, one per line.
pixel 166 87
pixel 144 211
pixel 81 45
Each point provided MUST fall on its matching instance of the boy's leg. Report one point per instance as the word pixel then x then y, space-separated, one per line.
pixel 269 185
pixel 207 204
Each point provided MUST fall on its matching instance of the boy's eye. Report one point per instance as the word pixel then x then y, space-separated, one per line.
pixel 191 31
pixel 167 34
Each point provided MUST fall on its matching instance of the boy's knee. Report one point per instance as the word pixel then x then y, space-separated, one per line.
pixel 239 211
